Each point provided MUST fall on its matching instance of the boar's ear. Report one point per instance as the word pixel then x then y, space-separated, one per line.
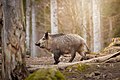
pixel 46 35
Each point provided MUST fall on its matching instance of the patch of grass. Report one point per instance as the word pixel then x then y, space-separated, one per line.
pixel 82 67
pixel 94 53
pixel 77 67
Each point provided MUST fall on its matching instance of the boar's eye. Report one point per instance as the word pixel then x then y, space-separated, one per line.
pixel 43 38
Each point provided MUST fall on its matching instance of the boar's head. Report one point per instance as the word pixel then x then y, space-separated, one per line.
pixel 43 41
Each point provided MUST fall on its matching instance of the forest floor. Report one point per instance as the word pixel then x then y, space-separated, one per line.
pixel 87 71
pixel 93 71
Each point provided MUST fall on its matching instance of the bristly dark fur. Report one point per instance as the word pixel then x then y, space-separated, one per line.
pixel 56 35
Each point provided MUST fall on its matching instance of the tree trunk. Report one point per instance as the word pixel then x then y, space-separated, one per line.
pixel 1 23
pixel 96 25
pixel 54 21
pixel 28 25
pixel 33 48
pixel 13 41
pixel 110 29
pixel 84 20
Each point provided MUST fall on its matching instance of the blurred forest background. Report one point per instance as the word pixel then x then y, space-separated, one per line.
pixel 97 21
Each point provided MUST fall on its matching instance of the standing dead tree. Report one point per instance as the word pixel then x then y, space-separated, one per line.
pixel 13 41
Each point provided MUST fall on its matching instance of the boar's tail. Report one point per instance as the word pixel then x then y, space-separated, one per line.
pixel 87 48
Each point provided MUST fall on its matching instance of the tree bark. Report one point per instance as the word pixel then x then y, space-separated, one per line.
pixel 13 41
pixel 33 48
pixel 28 10
pixel 54 21
pixel 1 23
pixel 96 25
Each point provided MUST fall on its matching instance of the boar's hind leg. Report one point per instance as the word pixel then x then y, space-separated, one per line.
pixel 81 52
pixel 56 57
pixel 83 55
pixel 73 54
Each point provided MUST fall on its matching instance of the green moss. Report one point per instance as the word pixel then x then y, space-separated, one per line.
pixel 94 53
pixel 75 71
pixel 82 67
pixel 46 74
pixel 24 7
pixel 59 76
pixel 77 67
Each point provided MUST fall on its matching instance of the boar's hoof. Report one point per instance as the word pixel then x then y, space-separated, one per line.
pixel 56 62
pixel 70 61
pixel 83 58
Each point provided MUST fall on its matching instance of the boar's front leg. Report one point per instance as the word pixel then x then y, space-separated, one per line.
pixel 73 54
pixel 56 56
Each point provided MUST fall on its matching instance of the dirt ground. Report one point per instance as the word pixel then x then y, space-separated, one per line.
pixel 88 71
pixel 48 60
pixel 98 71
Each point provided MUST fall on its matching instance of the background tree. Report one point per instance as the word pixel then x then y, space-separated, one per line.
pixel 69 16
pixel 54 19
pixel 28 9
pixel 33 27
pixel 75 16
pixel 1 25
pixel 13 41
pixel 110 20
pixel 96 25
pixel 37 22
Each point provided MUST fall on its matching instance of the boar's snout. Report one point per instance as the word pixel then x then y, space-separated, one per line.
pixel 37 44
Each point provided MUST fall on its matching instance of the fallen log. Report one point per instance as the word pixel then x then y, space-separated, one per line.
pixel 102 59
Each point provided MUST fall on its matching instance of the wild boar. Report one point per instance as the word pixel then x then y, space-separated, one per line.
pixel 60 44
